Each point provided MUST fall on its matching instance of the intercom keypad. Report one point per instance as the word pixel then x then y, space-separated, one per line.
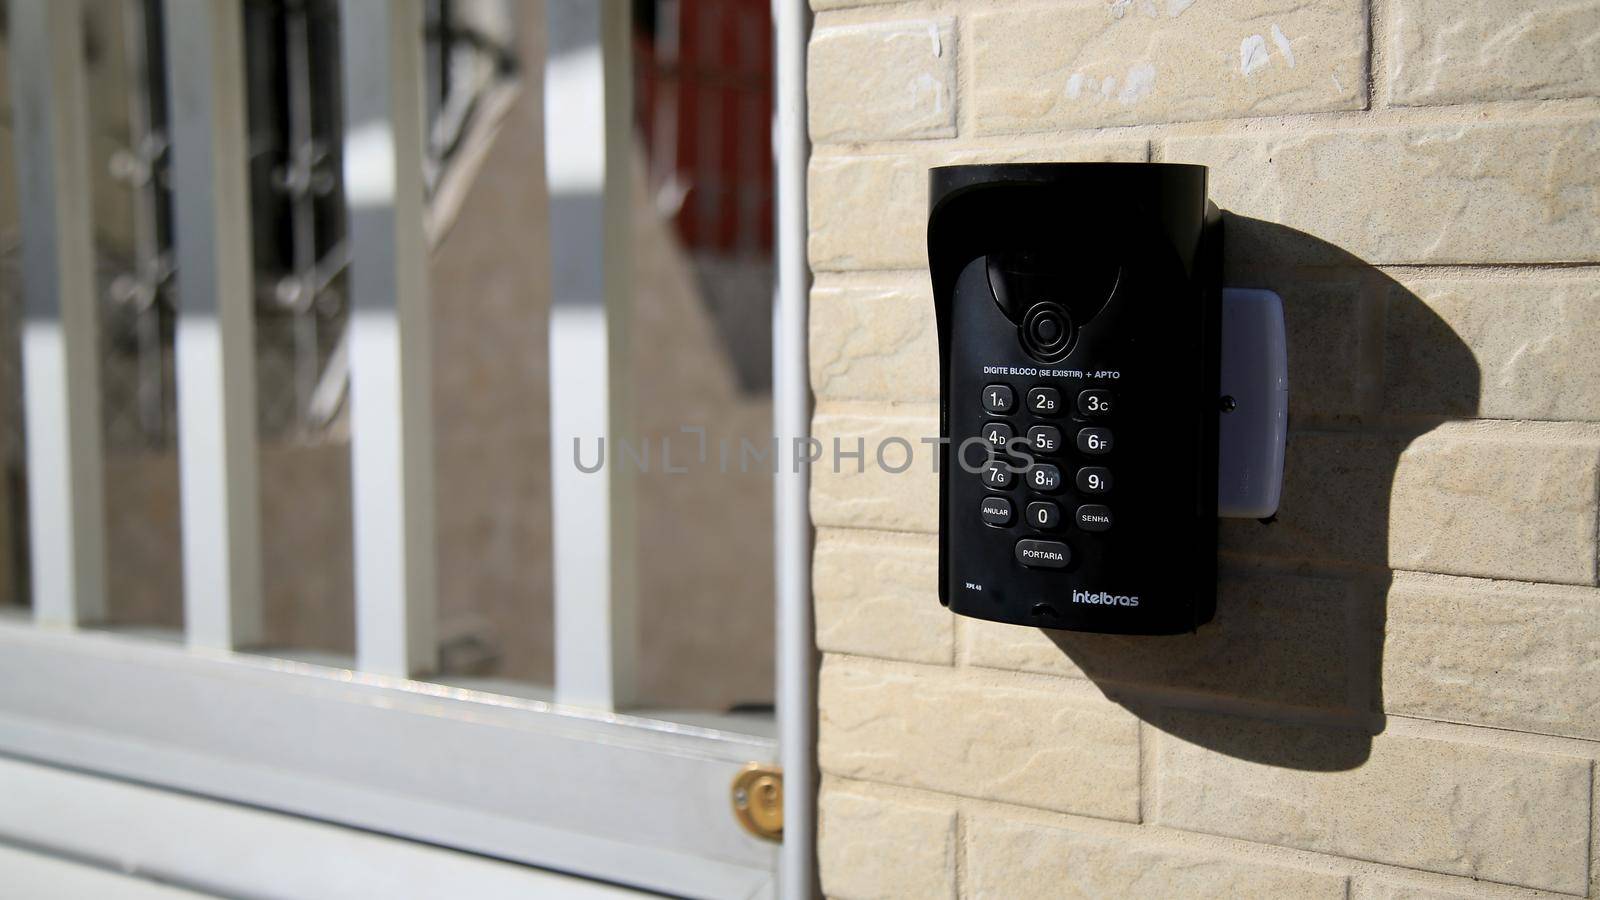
pixel 1078 394
pixel 1041 479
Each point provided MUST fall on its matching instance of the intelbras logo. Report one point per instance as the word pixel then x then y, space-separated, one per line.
pixel 1101 598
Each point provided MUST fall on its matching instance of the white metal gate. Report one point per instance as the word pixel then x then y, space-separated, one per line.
pixel 573 785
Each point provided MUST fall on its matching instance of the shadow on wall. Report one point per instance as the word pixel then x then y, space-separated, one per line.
pixel 1293 659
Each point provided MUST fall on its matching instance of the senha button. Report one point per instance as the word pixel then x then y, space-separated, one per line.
pixel 1043 554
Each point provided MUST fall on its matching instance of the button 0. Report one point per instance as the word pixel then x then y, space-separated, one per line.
pixel 1044 439
pixel 1095 402
pixel 1043 554
pixel 1044 515
pixel 996 511
pixel 1094 479
pixel 1044 401
pixel 999 398
pixel 1094 441
pixel 1093 517
pixel 1044 478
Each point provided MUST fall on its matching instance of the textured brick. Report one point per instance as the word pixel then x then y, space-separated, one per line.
pixel 1335 503
pixel 1543 673
pixel 862 494
pixel 1455 51
pixel 820 5
pixel 882 81
pixel 1504 192
pixel 1373 889
pixel 871 212
pixel 979 735
pixel 1460 500
pixel 870 847
pixel 875 342
pixel 1274 639
pixel 878 595
pixel 1017 859
pixel 1499 507
pixel 1323 321
pixel 1457 808
pixel 1513 349
pixel 1088 64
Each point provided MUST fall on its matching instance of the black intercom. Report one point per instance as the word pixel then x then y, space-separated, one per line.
pixel 1078 310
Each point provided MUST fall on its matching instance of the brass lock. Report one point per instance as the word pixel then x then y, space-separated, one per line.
pixel 758 800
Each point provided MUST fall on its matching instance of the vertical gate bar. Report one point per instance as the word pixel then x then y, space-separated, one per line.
pixel 791 396
pixel 588 138
pixel 391 415
pixel 60 327
pixel 215 339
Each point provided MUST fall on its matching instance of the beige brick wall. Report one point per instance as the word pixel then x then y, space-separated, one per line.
pixel 1400 695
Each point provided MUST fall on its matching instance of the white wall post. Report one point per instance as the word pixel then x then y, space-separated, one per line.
pixel 60 327
pixel 588 142
pixel 391 407
pixel 215 340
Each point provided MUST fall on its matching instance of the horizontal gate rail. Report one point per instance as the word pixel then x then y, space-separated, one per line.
pixel 601 795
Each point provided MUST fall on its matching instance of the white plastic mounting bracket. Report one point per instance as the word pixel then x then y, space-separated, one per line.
pixel 1253 415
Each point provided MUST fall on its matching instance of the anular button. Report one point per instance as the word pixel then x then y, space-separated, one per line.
pixel 996 511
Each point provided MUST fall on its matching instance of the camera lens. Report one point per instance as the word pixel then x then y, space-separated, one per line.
pixel 1047 332
pixel 1047 329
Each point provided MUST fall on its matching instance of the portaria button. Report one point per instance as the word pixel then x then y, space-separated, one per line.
pixel 1091 517
pixel 1043 554
pixel 998 398
pixel 1094 441
pixel 996 511
pixel 1043 515
pixel 1044 401
pixel 1044 439
pixel 1094 479
pixel 1095 403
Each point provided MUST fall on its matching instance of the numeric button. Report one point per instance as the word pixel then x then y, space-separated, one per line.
pixel 997 476
pixel 1094 441
pixel 1043 401
pixel 1044 515
pixel 1095 402
pixel 1094 479
pixel 998 434
pixel 999 398
pixel 1044 439
pixel 1044 478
